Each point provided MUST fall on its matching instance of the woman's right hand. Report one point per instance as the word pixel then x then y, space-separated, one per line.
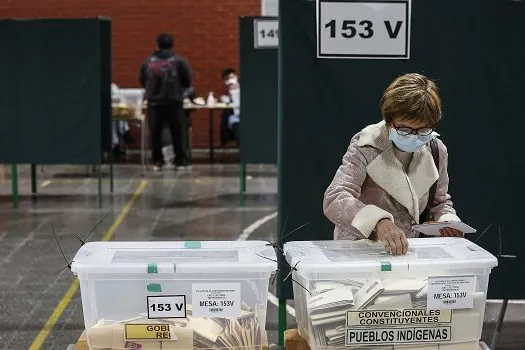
pixel 392 237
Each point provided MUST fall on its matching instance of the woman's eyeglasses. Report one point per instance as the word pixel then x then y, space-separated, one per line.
pixel 405 131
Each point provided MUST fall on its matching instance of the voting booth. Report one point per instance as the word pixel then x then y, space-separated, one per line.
pixel 334 71
pixel 352 294
pixel 55 103
pixel 258 62
pixel 174 295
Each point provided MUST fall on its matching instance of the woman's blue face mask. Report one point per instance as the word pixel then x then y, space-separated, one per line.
pixel 409 143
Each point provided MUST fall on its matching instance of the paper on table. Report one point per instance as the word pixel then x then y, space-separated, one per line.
pixel 432 229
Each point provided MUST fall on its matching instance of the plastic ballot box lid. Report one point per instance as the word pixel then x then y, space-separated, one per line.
pixel 175 257
pixel 367 256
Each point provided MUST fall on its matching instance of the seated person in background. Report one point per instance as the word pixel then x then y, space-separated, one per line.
pixel 388 180
pixel 230 119
pixel 120 128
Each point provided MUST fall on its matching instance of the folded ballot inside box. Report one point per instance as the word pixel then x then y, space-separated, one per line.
pixel 354 294
pixel 174 295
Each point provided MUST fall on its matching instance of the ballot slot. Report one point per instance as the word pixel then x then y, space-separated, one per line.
pixel 175 295
pixel 160 255
pixel 385 304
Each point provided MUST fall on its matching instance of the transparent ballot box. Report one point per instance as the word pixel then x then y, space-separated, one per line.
pixel 175 295
pixel 352 294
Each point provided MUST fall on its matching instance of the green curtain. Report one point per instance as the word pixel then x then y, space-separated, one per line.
pixel 258 78
pixel 58 84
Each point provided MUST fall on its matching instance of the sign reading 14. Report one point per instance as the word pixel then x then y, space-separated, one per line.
pixel 365 29
pixel 271 33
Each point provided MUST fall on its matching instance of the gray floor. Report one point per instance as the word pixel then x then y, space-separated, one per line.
pixel 199 204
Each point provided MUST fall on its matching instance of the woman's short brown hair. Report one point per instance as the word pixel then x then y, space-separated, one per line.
pixel 412 97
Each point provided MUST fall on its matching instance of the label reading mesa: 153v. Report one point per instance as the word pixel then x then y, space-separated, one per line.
pixel 451 292
pixel 216 299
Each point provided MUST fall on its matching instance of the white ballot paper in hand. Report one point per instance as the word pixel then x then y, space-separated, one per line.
pixel 432 229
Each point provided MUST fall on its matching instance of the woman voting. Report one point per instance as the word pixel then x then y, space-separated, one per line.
pixel 394 173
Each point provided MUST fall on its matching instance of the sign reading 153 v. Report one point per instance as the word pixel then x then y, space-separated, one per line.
pixel 363 29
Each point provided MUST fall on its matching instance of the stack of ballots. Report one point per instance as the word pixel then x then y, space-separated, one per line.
pixel 181 333
pixel 352 294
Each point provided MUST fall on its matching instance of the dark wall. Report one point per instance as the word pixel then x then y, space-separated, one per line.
pixel 56 81
pixel 475 52
pixel 258 77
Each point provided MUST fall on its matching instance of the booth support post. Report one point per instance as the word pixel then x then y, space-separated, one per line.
pixel 33 179
pixel 282 322
pixel 14 185
pixel 242 179
pixel 111 182
pixel 99 175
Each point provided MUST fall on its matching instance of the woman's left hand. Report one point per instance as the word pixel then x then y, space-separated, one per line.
pixel 450 232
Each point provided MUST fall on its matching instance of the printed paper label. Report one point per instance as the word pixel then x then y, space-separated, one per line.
pixel 456 292
pixel 375 336
pixel 216 299
pixel 157 331
pixel 397 317
pixel 166 306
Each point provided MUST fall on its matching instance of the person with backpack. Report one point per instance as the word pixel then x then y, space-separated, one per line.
pixel 394 173
pixel 165 76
